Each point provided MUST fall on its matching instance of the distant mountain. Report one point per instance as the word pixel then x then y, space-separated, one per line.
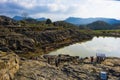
pixel 82 21
pixel 31 20
pixel 99 25
pixel 65 24
pixel 41 19
pixel 18 18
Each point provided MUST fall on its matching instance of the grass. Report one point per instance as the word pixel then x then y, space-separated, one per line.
pixel 28 55
pixel 114 33
pixel 109 31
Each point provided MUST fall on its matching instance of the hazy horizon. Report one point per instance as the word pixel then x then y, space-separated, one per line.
pixel 61 9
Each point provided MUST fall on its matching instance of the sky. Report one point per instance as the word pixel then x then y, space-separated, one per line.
pixel 61 9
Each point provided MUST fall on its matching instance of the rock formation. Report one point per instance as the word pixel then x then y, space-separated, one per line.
pixel 7 21
pixel 24 39
pixel 9 65
pixel 39 69
pixel 14 68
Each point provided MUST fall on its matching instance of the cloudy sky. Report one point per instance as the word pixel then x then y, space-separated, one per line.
pixel 61 9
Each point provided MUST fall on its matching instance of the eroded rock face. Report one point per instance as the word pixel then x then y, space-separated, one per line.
pixel 38 70
pixel 12 41
pixel 7 21
pixel 67 70
pixel 9 65
pixel 47 37
pixel 49 40
pixel 22 40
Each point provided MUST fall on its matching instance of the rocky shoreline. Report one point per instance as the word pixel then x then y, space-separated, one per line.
pixel 39 69
pixel 23 40
pixel 70 68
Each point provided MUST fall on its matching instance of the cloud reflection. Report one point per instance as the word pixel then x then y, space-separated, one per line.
pixel 107 45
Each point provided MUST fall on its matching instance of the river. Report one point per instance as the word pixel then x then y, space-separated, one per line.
pixel 109 46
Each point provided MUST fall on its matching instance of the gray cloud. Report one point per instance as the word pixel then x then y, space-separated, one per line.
pixel 59 9
pixel 14 8
pixel 10 8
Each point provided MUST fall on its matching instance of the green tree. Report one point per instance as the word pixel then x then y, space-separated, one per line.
pixel 48 21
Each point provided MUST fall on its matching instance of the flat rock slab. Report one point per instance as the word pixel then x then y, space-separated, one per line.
pixel 41 70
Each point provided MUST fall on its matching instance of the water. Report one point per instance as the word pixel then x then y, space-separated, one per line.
pixel 110 46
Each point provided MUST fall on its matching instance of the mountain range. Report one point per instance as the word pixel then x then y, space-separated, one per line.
pixel 77 21
pixel 100 25
pixel 18 18
pixel 83 21
pixel 89 23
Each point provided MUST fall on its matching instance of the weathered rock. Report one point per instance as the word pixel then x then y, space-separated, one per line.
pixel 7 21
pixel 19 39
pixel 49 40
pixel 38 70
pixel 9 65
pixel 41 70
pixel 15 42
pixel 23 39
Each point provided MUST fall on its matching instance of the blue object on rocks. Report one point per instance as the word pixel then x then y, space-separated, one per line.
pixel 103 75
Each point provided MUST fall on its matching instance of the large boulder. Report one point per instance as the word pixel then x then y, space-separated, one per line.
pixel 9 65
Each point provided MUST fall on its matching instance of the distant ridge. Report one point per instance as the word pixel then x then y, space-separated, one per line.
pixel 41 19
pixel 82 21
pixel 18 18
pixel 99 25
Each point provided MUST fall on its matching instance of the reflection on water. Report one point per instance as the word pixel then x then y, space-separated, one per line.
pixel 108 45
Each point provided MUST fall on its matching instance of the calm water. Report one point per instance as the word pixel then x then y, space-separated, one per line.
pixel 107 45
